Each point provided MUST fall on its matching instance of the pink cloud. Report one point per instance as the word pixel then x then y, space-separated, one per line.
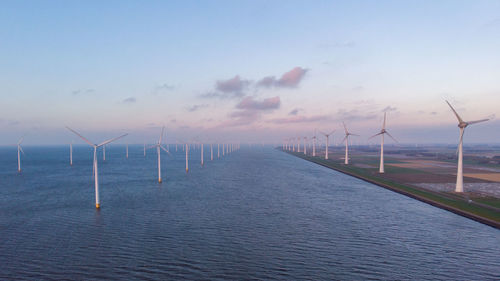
pixel 298 119
pixel 250 103
pixel 290 79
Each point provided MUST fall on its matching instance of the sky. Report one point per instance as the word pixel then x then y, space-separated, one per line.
pixel 248 71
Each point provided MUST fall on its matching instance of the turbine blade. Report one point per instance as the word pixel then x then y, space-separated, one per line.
pixel 456 114
pixel 321 132
pixel 161 136
pixel 345 128
pixel 20 140
pixel 152 146
pixel 375 135
pixel 331 132
pixel 82 137
pixel 164 149
pixel 111 140
pixel 385 115
pixel 343 140
pixel 477 121
pixel 391 136
pixel 21 148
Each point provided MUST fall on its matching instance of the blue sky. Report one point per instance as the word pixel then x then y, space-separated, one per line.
pixel 197 67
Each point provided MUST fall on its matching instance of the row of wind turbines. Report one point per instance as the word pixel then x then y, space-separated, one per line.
pixel 227 148
pixel 293 144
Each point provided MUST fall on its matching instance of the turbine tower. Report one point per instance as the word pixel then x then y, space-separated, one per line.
pixel 96 174
pixel 19 151
pixel 326 145
pixel 346 139
pixel 71 153
pixel 201 154
pixel 461 125
pixel 314 144
pixel 187 156
pixel 158 147
pixel 305 145
pixel 298 144
pixel 211 152
pixel 382 133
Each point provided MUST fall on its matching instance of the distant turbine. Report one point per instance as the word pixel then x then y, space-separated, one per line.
pixel 144 149
pixel 96 174
pixel 346 139
pixel 211 152
pixel 326 145
pixel 305 145
pixel 187 156
pixel 314 144
pixel 298 144
pixel 382 133
pixel 218 150
pixel 158 147
pixel 71 153
pixel 223 149
pixel 104 153
pixel 462 125
pixel 19 151
pixel 127 151
pixel 201 154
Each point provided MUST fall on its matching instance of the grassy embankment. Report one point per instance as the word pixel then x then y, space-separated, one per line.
pixel 474 209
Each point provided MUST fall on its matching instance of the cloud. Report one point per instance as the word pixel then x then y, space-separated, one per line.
pixel 234 86
pixel 354 115
pixel 299 119
pixel 162 88
pixel 250 111
pixel 249 103
pixel 82 91
pixel 290 79
pixel 196 107
pixel 129 100
pixel 389 109
pixel 294 111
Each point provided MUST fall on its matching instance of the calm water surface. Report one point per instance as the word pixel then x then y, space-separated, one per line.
pixel 255 214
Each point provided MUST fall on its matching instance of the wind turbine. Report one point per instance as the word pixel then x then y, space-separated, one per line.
pixel 298 144
pixel 71 153
pixel 158 147
pixel 346 139
pixel 314 144
pixel 19 151
pixel 104 153
pixel 382 133
pixel 326 145
pixel 462 125
pixel 211 152
pixel 305 145
pixel 187 156
pixel 201 154
pixel 218 150
pixel 126 151
pixel 96 174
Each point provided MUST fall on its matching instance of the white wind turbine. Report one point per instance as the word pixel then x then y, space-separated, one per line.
pixel 462 125
pixel 382 133
pixel 305 145
pixel 126 153
pixel 19 151
pixel 96 174
pixel 314 144
pixel 211 152
pixel 187 157
pixel 326 145
pixel 346 139
pixel 158 147
pixel 298 144
pixel 71 153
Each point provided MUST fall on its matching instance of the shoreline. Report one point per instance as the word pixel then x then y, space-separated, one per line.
pixel 411 192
